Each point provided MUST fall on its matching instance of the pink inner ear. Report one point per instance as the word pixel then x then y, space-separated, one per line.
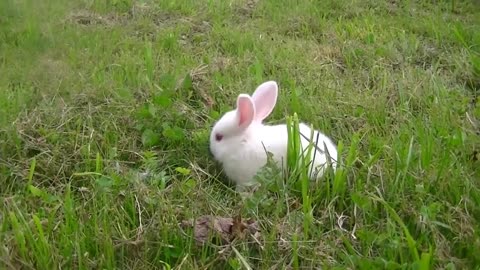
pixel 264 98
pixel 245 111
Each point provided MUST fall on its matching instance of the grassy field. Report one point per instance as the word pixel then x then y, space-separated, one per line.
pixel 106 107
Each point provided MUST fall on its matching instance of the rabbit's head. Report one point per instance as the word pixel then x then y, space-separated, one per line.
pixel 238 127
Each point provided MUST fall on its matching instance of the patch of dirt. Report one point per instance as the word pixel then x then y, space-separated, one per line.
pixel 162 18
pixel 197 34
pixel 393 6
pixel 201 84
pixel 328 54
pixel 88 18
pixel 246 9
pixel 221 63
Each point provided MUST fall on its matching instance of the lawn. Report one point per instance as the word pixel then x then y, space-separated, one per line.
pixel 106 108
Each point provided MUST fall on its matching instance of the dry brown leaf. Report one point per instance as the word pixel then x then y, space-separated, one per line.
pixel 205 227
pixel 238 227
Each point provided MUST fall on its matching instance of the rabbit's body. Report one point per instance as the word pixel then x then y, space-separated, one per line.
pixel 242 161
pixel 239 139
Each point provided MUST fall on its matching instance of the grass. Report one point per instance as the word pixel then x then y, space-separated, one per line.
pixel 106 108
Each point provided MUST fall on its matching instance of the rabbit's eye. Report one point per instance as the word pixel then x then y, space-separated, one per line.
pixel 218 137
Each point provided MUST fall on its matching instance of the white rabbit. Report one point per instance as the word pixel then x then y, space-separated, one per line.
pixel 238 139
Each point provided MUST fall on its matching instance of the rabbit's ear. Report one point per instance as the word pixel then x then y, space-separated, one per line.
pixel 265 98
pixel 245 111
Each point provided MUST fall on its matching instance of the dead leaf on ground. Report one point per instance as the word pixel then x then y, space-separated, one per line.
pixel 228 229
